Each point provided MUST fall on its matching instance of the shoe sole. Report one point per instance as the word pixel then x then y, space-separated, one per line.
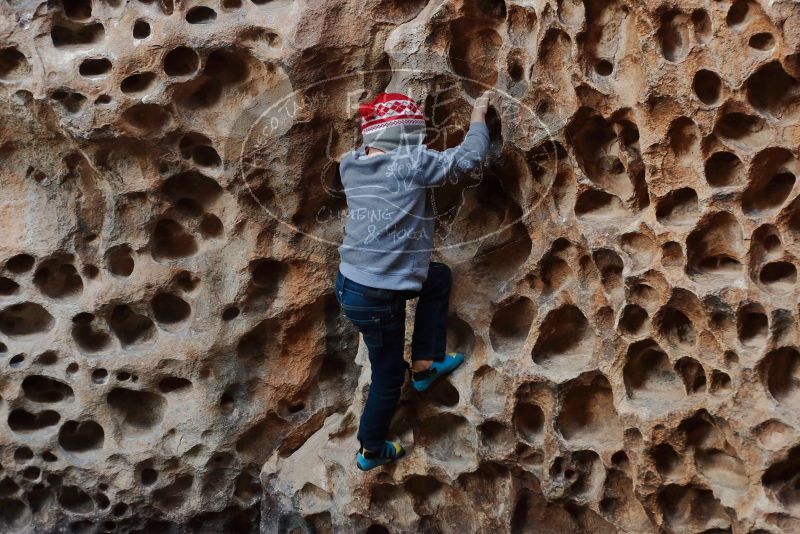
pixel 437 378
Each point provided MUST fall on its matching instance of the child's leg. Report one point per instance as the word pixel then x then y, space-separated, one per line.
pixel 429 341
pixel 380 317
pixel 388 374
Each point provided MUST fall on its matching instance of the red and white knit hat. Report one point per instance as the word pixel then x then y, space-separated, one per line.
pixel 391 119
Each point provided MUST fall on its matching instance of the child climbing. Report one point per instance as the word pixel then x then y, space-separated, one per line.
pixel 386 255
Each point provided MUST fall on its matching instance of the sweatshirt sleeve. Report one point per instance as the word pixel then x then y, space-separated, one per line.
pixel 436 167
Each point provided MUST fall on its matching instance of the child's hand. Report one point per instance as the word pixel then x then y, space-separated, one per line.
pixel 481 105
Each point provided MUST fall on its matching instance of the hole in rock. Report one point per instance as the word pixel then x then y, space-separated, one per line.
pixel 588 414
pixel 141 29
pixel 610 266
pixel 86 336
pixel 555 272
pixel 80 436
pixel 692 373
pixel 23 454
pixel 640 248
pixel 620 459
pixel 634 320
pixel 779 275
pixel 148 476
pixel 422 486
pixel 230 313
pixel 443 393
pixel 7 286
pixel 171 241
pixel 192 185
pixel 648 374
pixel 773 435
pixel 779 370
pixel 146 118
pixel 473 55
pixel 119 260
pixel 672 254
pixel 678 207
pixel 44 389
pixel 488 390
pixel 25 319
pixel 94 67
pixel 72 102
pixel 267 274
pixel 99 376
pixel 723 169
pixel 201 15
pixel 753 326
pixel 446 436
pixel 604 67
pixel 136 83
pixel 674 36
pixel 745 129
pixel 596 205
pixel 564 334
pixel 460 336
pixel 58 279
pixel 684 138
pixel 665 458
pixel 170 309
pixel 771 182
pixel 173 383
pixel 720 383
pixel 510 325
pixel 780 479
pixel 129 326
pixel 76 35
pixel 17 360
pixel 20 263
pixel 31 472
pixel 13 64
pixel 739 14
pixel 206 156
pixel 494 434
pixel 136 410
pixel 211 226
pixel 688 508
pixel 528 421
pixel 702 25
pixel 181 61
pixel 21 420
pixel 186 281
pixel 707 86
pixel 763 41
pixel 713 247
pixel 77 9
pixel 676 328
pixel 75 500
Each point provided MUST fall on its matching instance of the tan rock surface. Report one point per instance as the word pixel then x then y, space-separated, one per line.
pixel 172 358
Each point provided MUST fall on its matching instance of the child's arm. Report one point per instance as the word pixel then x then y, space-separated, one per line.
pixel 435 167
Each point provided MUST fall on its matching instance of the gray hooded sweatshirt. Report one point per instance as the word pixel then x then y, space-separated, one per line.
pixel 388 234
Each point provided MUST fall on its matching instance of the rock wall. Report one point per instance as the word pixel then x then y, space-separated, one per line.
pixel 173 359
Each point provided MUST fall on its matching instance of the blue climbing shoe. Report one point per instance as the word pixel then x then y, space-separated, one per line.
pixel 422 380
pixel 391 451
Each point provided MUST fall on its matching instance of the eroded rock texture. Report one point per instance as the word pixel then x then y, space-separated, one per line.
pixel 625 267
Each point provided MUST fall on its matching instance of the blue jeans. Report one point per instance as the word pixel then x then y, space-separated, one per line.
pixel 380 316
